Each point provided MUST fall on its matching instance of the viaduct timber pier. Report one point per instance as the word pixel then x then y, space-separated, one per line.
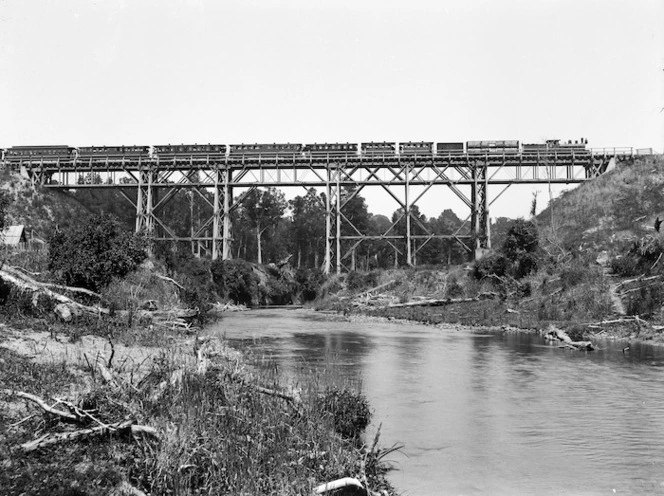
pixel 148 177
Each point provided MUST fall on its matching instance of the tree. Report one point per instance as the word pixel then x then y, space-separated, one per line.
pixel 90 254
pixel 415 227
pixel 379 252
pixel 521 246
pixel 308 227
pixel 450 251
pixel 357 218
pixel 264 208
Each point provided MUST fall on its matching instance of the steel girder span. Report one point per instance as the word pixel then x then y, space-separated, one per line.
pixel 149 186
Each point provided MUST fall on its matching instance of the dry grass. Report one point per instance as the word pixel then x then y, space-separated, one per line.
pixel 220 433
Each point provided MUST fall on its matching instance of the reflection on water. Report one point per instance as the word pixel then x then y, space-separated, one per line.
pixel 483 413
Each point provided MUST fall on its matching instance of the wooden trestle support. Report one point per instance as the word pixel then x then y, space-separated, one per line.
pixel 149 185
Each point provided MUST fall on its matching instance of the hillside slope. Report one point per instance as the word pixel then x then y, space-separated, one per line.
pixel 610 211
pixel 40 210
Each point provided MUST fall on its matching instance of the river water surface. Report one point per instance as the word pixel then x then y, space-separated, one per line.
pixel 485 413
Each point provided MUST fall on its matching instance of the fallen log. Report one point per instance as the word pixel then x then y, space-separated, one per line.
pixel 560 335
pixel 338 484
pixel 65 416
pixel 73 289
pixel 382 286
pixel 24 282
pixel 625 320
pixel 446 301
pixel 119 427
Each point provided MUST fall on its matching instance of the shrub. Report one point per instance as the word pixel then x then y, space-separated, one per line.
pixel 522 237
pixel 309 282
pixel 642 257
pixel 278 286
pixel 647 301
pixel 235 280
pixel 454 289
pixel 494 264
pixel 199 290
pixel 362 280
pixel 521 246
pixel 349 409
pixel 525 264
pixel 90 254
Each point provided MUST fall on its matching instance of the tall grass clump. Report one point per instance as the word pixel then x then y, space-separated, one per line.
pixel 225 435
pixel 223 429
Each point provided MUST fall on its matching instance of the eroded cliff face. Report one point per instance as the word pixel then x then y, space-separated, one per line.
pixel 38 209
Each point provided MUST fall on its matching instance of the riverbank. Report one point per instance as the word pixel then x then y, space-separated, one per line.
pixel 451 298
pixel 144 411
pixel 489 407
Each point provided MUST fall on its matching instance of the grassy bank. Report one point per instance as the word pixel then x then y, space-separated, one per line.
pixel 220 426
pixel 574 295
pixel 142 406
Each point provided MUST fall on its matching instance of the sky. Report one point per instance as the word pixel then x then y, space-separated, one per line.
pixel 84 72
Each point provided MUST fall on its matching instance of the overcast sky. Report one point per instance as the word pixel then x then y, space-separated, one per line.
pixel 84 72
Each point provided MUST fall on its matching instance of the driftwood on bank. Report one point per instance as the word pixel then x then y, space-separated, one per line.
pixel 445 301
pixel 65 416
pixel 561 336
pixel 78 416
pixel 372 290
pixel 22 275
pixel 26 282
pixel 338 484
pixel 125 426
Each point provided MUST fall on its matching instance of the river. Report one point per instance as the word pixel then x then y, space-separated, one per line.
pixel 481 412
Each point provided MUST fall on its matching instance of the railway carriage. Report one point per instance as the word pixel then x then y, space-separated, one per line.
pixel 378 148
pixel 17 154
pixel 100 151
pixel 114 152
pixel 265 150
pixel 137 151
pixel 450 148
pixel 493 147
pixel 415 147
pixel 324 149
pixel 170 152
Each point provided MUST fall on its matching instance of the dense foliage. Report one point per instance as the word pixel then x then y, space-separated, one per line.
pixel 235 280
pixel 92 253
pixel 518 256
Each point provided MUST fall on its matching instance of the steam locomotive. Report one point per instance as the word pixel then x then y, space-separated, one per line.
pixel 170 153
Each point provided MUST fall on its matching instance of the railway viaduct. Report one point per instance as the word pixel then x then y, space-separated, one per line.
pixel 149 184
